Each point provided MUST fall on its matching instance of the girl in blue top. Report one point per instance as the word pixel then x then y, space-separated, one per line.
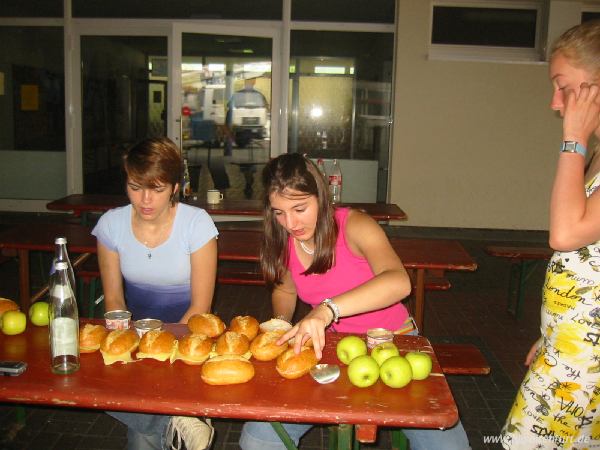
pixel 158 259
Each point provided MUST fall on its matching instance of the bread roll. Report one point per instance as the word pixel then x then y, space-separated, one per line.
pixel 291 365
pixel 118 346
pixel 232 343
pixel 193 349
pixel 264 347
pixel 246 325
pixel 208 324
pixel 7 305
pixel 90 337
pixel 157 344
pixel 275 324
pixel 227 369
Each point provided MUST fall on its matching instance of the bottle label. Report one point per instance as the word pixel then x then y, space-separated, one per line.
pixel 335 180
pixel 64 337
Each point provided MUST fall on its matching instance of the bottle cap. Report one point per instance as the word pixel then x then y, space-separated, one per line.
pixel 60 240
pixel 61 265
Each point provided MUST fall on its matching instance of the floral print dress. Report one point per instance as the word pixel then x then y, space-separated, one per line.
pixel 558 403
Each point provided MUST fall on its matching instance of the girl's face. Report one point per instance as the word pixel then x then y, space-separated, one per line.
pixel 566 80
pixel 296 212
pixel 149 203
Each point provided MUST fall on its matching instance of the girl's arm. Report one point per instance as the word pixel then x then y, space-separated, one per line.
pixel 574 217
pixel 283 298
pixel 112 280
pixel 202 278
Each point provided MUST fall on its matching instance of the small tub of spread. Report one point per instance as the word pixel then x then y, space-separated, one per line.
pixel 117 319
pixel 142 326
pixel 376 336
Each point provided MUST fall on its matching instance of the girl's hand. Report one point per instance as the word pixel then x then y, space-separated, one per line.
pixel 312 326
pixel 582 113
pixel 532 352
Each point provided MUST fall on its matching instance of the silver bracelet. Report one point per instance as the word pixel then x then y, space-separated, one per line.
pixel 335 310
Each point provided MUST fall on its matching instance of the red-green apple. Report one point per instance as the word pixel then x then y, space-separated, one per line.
pixel 383 351
pixel 363 371
pixel 38 314
pixel 396 372
pixel 13 322
pixel 350 347
pixel 420 364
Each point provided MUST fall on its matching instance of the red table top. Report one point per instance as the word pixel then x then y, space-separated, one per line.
pixel 83 203
pixel 177 389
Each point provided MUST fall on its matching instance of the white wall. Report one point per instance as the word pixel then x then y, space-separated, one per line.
pixel 474 143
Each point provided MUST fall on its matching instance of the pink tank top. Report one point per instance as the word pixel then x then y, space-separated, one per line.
pixel 347 272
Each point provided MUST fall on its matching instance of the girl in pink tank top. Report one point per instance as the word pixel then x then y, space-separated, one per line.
pixel 338 260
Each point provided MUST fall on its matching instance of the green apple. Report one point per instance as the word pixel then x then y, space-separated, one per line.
pixel 420 363
pixel 396 372
pixel 38 314
pixel 383 351
pixel 350 347
pixel 13 322
pixel 363 371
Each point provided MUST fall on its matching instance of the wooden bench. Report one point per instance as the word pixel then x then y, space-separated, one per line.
pixel 524 261
pixel 461 359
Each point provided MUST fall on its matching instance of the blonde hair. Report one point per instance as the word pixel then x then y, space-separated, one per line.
pixel 581 45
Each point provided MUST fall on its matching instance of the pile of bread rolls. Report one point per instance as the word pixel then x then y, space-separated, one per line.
pixel 224 353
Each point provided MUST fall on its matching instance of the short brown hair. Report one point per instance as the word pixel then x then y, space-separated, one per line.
pixel 294 171
pixel 581 45
pixel 153 161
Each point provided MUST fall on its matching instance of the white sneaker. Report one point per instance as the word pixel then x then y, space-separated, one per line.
pixel 193 432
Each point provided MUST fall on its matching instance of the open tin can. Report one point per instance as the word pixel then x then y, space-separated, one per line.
pixel 117 319
pixel 376 336
pixel 142 326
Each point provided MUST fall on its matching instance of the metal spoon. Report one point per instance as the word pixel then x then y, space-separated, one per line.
pixel 325 373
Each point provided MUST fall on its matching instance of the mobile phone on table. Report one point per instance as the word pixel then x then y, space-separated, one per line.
pixel 12 368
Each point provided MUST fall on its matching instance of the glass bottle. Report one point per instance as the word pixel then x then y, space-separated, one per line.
pixel 321 167
pixel 335 183
pixel 63 324
pixel 61 254
pixel 186 189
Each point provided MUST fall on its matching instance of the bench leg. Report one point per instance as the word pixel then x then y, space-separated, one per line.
pixel 399 440
pixel 519 274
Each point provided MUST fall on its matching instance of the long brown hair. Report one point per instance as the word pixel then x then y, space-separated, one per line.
pixel 154 161
pixel 294 171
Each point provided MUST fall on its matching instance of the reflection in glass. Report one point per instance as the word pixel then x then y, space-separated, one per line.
pixel 124 87
pixel 226 92
pixel 340 105
pixel 32 83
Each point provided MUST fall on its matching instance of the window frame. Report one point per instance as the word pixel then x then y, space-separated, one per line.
pixel 488 52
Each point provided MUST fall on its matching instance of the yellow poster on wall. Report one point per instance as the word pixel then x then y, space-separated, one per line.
pixel 30 97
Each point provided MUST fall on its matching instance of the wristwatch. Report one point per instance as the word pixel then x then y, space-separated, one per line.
pixel 335 310
pixel 573 147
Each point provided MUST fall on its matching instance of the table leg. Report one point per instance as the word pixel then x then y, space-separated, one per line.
pixel 24 279
pixel 420 299
pixel 284 436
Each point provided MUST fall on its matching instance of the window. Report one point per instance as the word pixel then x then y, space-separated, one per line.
pixel 360 11
pixel 502 31
pixel 192 9
pixel 590 15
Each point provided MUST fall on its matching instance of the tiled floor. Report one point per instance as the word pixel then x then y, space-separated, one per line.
pixel 473 310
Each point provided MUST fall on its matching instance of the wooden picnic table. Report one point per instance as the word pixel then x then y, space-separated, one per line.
pixel 82 204
pixel 151 386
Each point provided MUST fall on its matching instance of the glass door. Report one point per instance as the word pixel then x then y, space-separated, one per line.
pixel 225 113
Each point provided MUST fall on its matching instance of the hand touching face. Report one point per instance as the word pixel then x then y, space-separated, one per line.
pixel 577 98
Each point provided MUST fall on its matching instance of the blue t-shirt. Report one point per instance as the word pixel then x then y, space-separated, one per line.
pixel 157 280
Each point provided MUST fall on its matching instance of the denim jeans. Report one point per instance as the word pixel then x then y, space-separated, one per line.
pixel 262 436
pixel 144 431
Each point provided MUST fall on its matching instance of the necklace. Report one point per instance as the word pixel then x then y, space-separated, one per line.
pixel 306 249
pixel 149 254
